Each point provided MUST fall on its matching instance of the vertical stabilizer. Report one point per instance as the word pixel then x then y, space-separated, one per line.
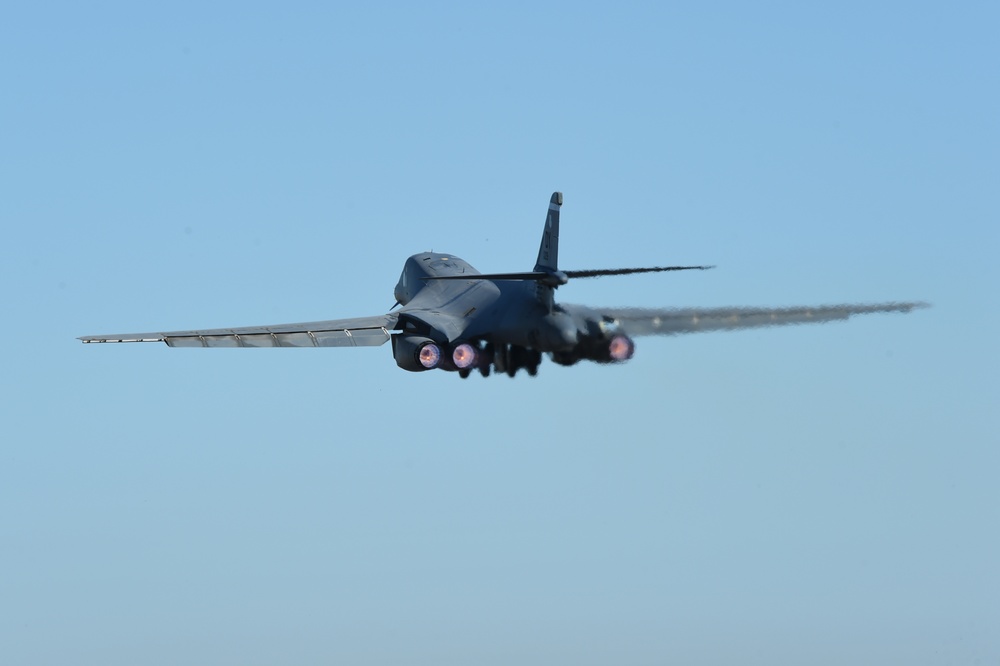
pixel 548 251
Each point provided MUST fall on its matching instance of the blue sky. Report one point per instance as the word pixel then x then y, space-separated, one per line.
pixel 820 495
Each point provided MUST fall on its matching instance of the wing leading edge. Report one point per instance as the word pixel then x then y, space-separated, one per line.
pixel 674 321
pixel 359 332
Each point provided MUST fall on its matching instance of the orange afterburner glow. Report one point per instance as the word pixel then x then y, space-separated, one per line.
pixel 621 348
pixel 464 356
pixel 429 355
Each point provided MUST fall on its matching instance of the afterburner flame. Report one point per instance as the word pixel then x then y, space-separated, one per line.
pixel 429 355
pixel 464 356
pixel 621 348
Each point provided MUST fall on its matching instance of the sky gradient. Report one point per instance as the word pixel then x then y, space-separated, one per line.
pixel 822 495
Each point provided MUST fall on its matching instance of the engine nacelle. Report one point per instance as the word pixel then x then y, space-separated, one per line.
pixel 620 348
pixel 416 353
pixel 464 356
pixel 616 349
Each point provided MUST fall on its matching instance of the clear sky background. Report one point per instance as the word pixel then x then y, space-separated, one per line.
pixel 821 495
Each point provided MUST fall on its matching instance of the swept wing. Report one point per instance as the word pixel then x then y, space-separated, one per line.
pixel 359 332
pixel 673 321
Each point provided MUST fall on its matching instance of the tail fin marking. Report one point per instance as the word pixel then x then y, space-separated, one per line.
pixel 548 250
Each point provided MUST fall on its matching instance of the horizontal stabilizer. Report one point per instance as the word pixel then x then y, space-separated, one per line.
pixel 628 271
pixel 556 278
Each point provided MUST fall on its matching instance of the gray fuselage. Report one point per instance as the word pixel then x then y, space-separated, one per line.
pixel 514 312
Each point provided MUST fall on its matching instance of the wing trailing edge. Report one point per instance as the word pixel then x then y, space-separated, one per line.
pixel 674 321
pixel 360 332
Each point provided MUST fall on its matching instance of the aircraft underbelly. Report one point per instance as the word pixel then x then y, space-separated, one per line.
pixel 532 326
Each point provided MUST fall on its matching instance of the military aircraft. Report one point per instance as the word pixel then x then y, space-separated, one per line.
pixel 452 317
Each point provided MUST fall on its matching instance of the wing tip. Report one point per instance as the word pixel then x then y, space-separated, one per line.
pixel 900 306
pixel 115 339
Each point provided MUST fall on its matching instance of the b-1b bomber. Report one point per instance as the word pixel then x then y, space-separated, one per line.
pixel 449 316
